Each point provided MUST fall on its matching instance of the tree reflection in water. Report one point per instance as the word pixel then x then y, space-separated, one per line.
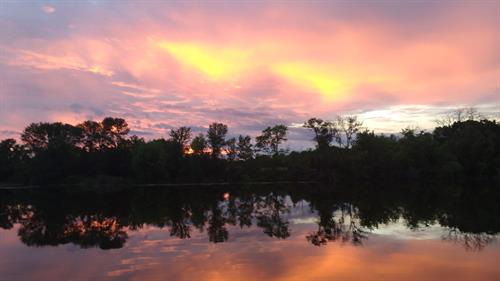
pixel 346 215
pixel 343 225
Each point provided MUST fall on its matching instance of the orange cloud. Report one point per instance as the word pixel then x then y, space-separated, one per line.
pixel 281 63
pixel 218 63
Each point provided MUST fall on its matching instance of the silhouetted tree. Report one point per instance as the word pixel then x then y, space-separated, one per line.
pixel 459 115
pixel 106 134
pixel 349 126
pixel 231 149
pixel 92 135
pixel 324 132
pixel 53 150
pixel 56 152
pixel 40 136
pixel 182 135
pixel 216 138
pixel 474 145
pixel 11 155
pixel 271 138
pixel 244 147
pixel 199 144
pixel 114 131
pixel 149 161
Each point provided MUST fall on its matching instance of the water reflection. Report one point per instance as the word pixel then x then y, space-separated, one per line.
pixel 344 215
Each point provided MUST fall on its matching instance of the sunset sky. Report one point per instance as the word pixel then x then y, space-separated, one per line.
pixel 247 64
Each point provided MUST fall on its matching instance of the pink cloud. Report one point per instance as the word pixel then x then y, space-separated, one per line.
pixel 283 63
pixel 48 9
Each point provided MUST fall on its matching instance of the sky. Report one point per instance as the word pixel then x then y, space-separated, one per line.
pixel 248 64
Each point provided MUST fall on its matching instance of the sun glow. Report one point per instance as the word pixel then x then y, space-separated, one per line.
pixel 330 84
pixel 216 63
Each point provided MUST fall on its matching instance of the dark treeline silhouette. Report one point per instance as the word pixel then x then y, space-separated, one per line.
pixel 345 214
pixel 460 149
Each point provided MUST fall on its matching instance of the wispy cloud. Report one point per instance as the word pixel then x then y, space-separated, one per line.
pixel 248 64
pixel 48 9
pixel 42 61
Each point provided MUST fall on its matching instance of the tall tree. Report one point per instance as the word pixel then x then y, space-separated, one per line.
pixel 109 133
pixel 216 137
pixel 10 157
pixel 349 126
pixel 244 147
pixel 199 144
pixel 92 135
pixel 53 150
pixel 231 149
pixel 40 136
pixel 149 161
pixel 459 115
pixel 114 131
pixel 324 131
pixel 182 135
pixel 271 138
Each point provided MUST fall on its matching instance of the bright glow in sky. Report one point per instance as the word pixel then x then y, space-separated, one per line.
pixel 216 63
pixel 248 64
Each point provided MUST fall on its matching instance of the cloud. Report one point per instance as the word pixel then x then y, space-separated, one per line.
pixel 42 61
pixel 250 65
pixel 48 9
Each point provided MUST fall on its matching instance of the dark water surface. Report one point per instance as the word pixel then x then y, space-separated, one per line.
pixel 302 232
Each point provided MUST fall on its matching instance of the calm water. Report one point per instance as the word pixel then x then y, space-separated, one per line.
pixel 251 233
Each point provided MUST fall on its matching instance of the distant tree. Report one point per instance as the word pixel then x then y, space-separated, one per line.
pixel 375 154
pixel 7 146
pixel 182 135
pixel 271 138
pixel 199 144
pixel 53 150
pixel 40 136
pixel 114 131
pixel 92 135
pixel 10 157
pixel 149 161
pixel 349 126
pixel 216 137
pixel 244 147
pixel 109 133
pixel 417 152
pixel 459 115
pixel 474 145
pixel 57 152
pixel 324 132
pixel 231 149
pixel 135 140
pixel 36 136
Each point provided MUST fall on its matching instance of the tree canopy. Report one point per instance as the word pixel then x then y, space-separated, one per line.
pixel 58 152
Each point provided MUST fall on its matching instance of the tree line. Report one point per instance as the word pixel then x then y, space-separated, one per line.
pixel 461 147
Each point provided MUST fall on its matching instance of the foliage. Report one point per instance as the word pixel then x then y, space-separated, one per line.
pixel 245 147
pixel 182 135
pixel 350 126
pixel 216 137
pixel 464 151
pixel 199 144
pixel 324 132
pixel 271 138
